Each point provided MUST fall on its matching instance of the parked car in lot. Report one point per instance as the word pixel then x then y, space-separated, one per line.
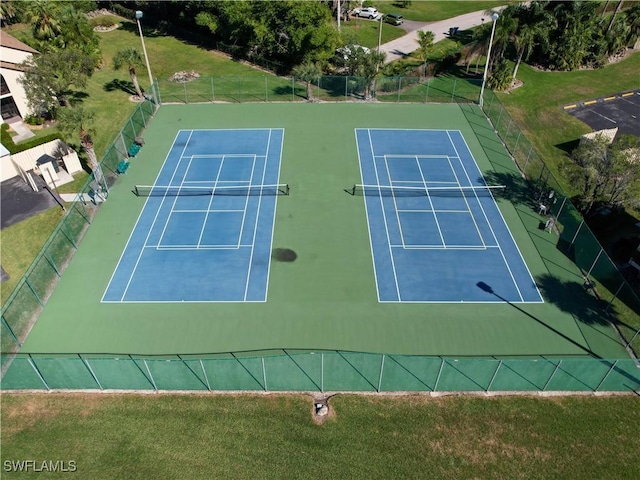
pixel 343 53
pixel 393 18
pixel 367 12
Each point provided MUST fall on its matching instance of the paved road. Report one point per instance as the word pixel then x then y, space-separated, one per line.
pixel 403 46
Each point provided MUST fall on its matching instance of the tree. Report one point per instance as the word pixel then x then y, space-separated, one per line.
pixel 533 28
pixel 49 79
pixel 308 72
pixel 41 14
pixel 425 42
pixel 78 121
pixel 500 78
pixel 365 65
pixel 480 44
pixel 132 58
pixel 608 172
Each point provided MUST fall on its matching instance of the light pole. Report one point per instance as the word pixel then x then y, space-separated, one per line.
pixel 494 16
pixel 146 58
pixel 380 34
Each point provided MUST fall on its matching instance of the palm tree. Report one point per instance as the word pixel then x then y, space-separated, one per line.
pixel 42 17
pixel 425 42
pixel 481 36
pixel 132 59
pixel 78 121
pixel 308 72
pixel 371 63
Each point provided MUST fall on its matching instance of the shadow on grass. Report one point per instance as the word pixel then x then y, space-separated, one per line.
pixel 124 85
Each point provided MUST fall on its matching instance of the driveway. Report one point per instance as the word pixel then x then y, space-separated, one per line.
pixel 403 46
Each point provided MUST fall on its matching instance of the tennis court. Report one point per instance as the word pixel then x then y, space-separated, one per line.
pixel 436 231
pixel 205 231
pixel 273 283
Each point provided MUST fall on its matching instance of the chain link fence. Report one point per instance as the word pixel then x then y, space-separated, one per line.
pixel 30 295
pixel 319 372
pixel 576 240
pixel 269 88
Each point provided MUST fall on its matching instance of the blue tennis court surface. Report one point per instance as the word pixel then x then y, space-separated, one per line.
pixel 436 231
pixel 205 247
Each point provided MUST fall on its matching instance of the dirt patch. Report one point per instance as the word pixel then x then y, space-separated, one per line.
pixel 284 255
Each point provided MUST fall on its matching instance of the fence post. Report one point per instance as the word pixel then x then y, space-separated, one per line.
pixel 633 338
pixel 186 98
pixel 293 89
pixel 322 372
pixel 517 141
pixel 564 200
pixel 399 87
pixel 26 280
pixel 266 90
pixel 264 375
pixel 426 100
pixel 213 90
pixel 594 262
pixel 204 372
pixel 8 328
pixel 499 117
pixel 86 364
pixel 494 376
pixel 606 375
pixel 576 234
pixel 552 375
pixel 381 369
pixel 158 92
pixel 346 87
pixel 435 387
pixel 506 134
pixel 453 90
pixel 155 387
pixel 52 263
pixel 524 169
pixel 35 369
pixel 615 295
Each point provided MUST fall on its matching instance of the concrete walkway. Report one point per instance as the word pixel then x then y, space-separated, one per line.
pixel 403 46
pixel 23 132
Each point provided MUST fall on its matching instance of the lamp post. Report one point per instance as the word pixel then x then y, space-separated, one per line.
pixel 144 50
pixel 494 16
pixel 380 33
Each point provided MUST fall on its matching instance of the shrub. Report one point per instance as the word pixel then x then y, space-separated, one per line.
pixel 104 21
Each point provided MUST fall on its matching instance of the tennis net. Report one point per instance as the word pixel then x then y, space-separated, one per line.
pixel 222 190
pixel 423 191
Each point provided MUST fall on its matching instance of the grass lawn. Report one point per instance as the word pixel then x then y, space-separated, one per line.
pixel 433 11
pixel 21 242
pixel 366 32
pixel 174 436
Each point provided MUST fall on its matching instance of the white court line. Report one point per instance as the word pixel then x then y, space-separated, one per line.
pixel 246 200
pixel 175 170
pixel 435 217
pixel 420 183
pixel 384 217
pixel 487 219
pixel 448 247
pixel 473 218
pixel 508 230
pixel 201 247
pixel 205 211
pixel 366 212
pixel 408 156
pixel 206 215
pixel 232 182
pixel 395 203
pixel 136 225
pixel 175 200
pixel 275 209
pixel 255 227
pixel 432 211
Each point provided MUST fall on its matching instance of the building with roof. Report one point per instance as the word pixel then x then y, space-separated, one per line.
pixel 12 95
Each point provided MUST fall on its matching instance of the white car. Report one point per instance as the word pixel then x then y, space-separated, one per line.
pixel 368 12
pixel 348 50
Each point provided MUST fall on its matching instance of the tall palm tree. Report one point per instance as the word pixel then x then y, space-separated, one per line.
pixel 42 17
pixel 78 121
pixel 480 37
pixel 425 42
pixel 132 59
pixel 308 72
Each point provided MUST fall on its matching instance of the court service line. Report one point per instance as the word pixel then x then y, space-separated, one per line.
pixel 206 215
pixel 246 201
pixel 384 218
pixel 175 200
pixel 504 259
pixel 395 203
pixel 435 216
pixel 136 224
pixel 218 210
pixel 155 218
pixel 473 218
pixel 255 228
pixel 447 247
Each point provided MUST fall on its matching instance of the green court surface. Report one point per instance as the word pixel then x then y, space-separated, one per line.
pixel 326 298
